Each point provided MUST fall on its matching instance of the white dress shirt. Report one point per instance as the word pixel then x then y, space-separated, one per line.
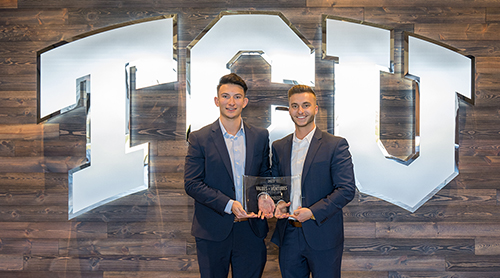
pixel 299 153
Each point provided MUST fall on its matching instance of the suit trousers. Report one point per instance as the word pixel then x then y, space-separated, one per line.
pixel 242 249
pixel 297 259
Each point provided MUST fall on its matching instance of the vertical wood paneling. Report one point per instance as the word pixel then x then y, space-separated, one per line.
pixel 455 234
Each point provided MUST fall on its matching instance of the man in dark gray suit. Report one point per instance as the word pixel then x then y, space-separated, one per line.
pixel 311 236
pixel 218 156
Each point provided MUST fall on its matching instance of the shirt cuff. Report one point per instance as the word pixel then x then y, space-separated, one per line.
pixel 229 205
pixel 263 193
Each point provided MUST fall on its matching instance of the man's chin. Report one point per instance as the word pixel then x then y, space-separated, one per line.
pixel 231 116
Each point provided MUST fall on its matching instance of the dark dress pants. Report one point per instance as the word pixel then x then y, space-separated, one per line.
pixel 242 249
pixel 297 259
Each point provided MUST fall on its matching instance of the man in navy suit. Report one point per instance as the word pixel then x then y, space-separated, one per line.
pixel 311 236
pixel 218 156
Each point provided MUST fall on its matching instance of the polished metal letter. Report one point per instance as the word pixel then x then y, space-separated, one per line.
pixel 268 34
pixel 102 60
pixel 363 52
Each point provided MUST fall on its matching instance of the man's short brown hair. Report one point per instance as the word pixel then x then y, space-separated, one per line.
pixel 233 78
pixel 298 89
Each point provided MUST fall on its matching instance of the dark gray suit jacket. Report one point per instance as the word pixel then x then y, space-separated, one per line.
pixel 327 186
pixel 208 178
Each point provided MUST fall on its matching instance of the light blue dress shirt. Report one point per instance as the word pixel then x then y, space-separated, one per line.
pixel 236 147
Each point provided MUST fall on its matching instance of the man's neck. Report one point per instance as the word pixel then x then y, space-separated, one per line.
pixel 302 131
pixel 232 126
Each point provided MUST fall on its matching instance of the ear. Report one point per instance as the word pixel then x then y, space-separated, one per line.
pixel 245 102
pixel 216 100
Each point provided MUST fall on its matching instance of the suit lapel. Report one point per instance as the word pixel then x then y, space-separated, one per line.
pixel 249 143
pixel 311 153
pixel 287 158
pixel 220 145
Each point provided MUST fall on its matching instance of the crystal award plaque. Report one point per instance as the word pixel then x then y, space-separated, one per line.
pixel 278 188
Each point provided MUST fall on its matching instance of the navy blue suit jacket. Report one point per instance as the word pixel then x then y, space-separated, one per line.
pixel 208 178
pixel 327 186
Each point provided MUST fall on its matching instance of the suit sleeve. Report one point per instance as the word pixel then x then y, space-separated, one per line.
pixel 194 178
pixel 342 175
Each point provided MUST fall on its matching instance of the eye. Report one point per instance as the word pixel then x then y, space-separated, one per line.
pixel 294 106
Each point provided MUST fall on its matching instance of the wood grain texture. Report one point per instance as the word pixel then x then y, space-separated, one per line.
pixel 8 4
pixel 447 274
pixel 425 14
pixel 493 14
pixel 396 3
pixel 11 262
pixel 51 274
pixel 146 274
pixel 382 263
pixel 34 17
pixel 147 234
pixel 413 246
pixel 53 230
pixel 437 230
pixel 487 246
pixel 459 31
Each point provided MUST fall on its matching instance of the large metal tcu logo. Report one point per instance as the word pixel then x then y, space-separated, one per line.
pixel 361 52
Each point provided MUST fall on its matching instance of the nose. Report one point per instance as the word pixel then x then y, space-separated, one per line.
pixel 231 101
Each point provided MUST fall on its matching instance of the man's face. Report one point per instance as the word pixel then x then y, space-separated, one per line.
pixel 302 109
pixel 231 100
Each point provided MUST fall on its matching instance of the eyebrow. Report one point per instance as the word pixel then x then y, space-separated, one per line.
pixel 305 102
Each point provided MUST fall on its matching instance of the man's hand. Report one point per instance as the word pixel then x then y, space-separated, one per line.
pixel 239 212
pixel 281 210
pixel 302 214
pixel 266 206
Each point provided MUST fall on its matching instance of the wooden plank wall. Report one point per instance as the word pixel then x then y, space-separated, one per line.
pixel 455 234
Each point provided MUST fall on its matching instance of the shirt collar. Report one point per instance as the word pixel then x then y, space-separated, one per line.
pixel 307 138
pixel 226 134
